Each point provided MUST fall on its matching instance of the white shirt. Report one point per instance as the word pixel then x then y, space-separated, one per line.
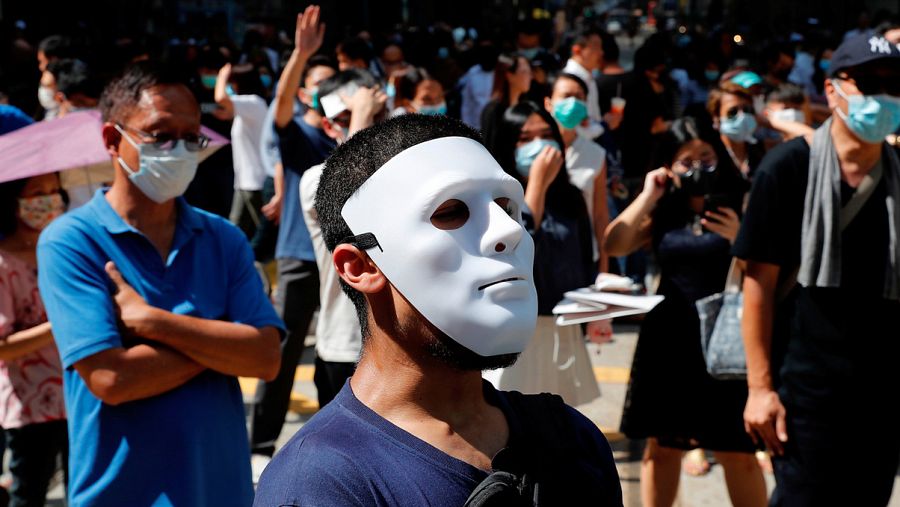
pixel 246 141
pixel 338 336
pixel 585 161
pixel 477 85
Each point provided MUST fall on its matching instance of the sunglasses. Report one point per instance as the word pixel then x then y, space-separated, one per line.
pixel 733 111
pixel 874 84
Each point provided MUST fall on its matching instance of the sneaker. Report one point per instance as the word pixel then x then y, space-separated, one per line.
pixel 258 463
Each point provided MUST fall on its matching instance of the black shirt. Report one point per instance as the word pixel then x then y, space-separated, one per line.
pixel 832 337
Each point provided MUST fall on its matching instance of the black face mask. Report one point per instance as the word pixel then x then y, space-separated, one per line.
pixel 698 181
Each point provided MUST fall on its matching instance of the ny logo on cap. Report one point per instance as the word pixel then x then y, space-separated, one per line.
pixel 879 45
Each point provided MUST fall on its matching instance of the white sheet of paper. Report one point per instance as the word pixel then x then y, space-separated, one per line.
pixel 645 303
pixel 611 312
pixel 567 306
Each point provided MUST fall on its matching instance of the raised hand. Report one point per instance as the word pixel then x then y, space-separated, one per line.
pixel 545 167
pixel 309 33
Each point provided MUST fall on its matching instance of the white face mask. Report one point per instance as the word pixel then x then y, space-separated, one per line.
pixel 794 115
pixel 46 96
pixel 163 174
pixel 474 282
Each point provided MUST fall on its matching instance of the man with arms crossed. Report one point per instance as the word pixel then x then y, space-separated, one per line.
pixel 156 308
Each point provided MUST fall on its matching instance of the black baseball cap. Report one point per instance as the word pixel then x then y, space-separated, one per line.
pixel 863 49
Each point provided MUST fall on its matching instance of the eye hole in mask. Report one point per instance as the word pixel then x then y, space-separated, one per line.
pixel 453 214
pixel 450 215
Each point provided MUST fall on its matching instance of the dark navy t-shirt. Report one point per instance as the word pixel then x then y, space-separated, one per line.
pixel 349 455
pixel 302 146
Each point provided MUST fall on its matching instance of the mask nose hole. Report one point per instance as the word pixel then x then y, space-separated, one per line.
pixel 499 247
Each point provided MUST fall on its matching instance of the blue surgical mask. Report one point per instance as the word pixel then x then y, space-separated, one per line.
pixel 529 53
pixel 266 80
pixel 738 129
pixel 433 110
pixel 163 174
pixel 870 117
pixel 824 64
pixel 570 112
pixel 390 90
pixel 711 75
pixel 208 80
pixel 229 90
pixel 526 154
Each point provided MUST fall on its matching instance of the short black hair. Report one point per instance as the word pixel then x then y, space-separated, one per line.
pixel 572 77
pixel 56 46
pixel 356 49
pixel 582 36
pixel 356 160
pixel 361 77
pixel 74 77
pixel 610 47
pixel 123 93
pixel 409 81
pixel 316 61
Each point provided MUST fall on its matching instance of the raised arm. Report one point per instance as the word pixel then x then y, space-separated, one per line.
pixel 631 229
pixel 220 94
pixel 227 347
pixel 307 40
pixel 764 414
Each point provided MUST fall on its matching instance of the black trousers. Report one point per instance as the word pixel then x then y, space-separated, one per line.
pixel 330 377
pixel 296 299
pixel 34 449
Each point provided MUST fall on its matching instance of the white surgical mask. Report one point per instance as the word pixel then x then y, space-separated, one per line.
pixel 794 115
pixel 163 174
pixel 474 283
pixel 46 98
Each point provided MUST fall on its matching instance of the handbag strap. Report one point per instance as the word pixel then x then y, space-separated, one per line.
pixel 735 278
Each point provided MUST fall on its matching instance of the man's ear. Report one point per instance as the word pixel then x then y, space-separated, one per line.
pixel 831 95
pixel 356 268
pixel 329 128
pixel 111 139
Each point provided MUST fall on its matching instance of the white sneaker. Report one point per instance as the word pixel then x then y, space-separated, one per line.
pixel 258 463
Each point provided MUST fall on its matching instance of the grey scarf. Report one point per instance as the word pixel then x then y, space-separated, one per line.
pixel 820 250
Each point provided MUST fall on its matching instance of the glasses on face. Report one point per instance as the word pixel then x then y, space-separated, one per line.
pixel 733 111
pixel 166 142
pixel 690 166
pixel 874 84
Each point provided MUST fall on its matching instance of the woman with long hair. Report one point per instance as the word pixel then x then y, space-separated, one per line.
pixel 529 147
pixel 512 80
pixel 687 214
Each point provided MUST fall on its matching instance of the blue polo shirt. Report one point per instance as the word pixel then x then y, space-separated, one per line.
pixel 302 146
pixel 187 446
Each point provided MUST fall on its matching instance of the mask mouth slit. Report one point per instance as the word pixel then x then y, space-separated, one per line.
pixel 512 279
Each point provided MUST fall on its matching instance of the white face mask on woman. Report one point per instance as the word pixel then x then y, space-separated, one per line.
pixel 468 269
pixel 163 174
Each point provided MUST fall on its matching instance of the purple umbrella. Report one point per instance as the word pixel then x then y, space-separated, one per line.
pixel 71 142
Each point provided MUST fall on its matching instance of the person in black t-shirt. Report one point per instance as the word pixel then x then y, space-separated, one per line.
pixel 822 361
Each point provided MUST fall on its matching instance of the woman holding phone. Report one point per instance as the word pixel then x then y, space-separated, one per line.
pixel 687 214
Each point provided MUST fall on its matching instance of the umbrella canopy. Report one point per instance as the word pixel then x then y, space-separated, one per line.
pixel 70 142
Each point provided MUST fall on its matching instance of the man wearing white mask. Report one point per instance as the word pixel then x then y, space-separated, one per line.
pixel 156 309
pixel 823 220
pixel 426 235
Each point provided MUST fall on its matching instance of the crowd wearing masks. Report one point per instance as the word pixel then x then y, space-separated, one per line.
pixel 420 201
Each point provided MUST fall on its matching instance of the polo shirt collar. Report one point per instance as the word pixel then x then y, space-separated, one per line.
pixel 113 223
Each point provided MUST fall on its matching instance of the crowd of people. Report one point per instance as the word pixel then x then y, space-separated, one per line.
pixel 370 186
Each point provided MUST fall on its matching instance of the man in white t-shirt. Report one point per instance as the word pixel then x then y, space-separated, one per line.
pixel 248 109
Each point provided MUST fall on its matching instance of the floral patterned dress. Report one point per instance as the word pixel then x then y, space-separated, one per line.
pixel 31 386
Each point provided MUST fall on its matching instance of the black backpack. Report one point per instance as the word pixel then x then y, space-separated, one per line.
pixel 545 463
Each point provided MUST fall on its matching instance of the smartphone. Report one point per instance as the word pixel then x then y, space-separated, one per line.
pixel 712 202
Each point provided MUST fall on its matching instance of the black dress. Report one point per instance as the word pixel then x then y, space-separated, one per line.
pixel 671 396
